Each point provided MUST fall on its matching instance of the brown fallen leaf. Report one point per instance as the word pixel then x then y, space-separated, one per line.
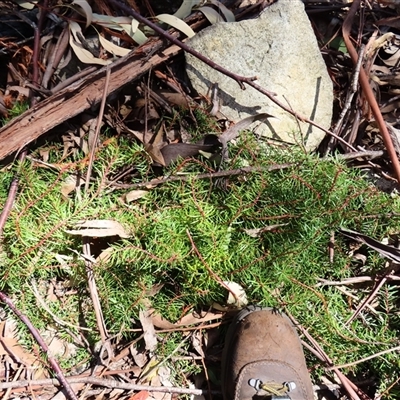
pixel 142 395
pixel 99 228
pixel 173 152
pixel 385 250
pixel 257 232
pixel 150 337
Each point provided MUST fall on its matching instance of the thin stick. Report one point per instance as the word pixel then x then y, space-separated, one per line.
pixel 8 204
pixel 211 175
pixel 108 383
pixel 86 246
pixel 233 172
pixel 35 333
pixel 397 348
pixel 370 297
pixel 94 294
pixel 96 134
pixel 349 99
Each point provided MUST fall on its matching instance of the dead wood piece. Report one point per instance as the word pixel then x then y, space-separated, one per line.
pixel 75 99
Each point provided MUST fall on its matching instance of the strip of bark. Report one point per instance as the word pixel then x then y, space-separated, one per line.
pixel 76 98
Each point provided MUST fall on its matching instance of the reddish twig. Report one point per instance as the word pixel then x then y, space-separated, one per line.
pixel 35 333
pixel 8 204
pixel 98 127
pixel 241 80
pixel 369 94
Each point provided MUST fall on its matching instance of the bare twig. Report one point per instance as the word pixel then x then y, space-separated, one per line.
pixel 8 204
pixel 86 245
pixel 351 281
pixel 349 99
pixel 58 52
pixel 94 294
pixel 372 295
pixel 108 383
pixel 98 126
pixel 212 175
pixel 65 83
pixel 381 353
pixel 35 333
pixel 371 154
pixel 59 321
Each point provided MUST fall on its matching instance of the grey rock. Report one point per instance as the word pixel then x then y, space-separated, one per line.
pixel 280 48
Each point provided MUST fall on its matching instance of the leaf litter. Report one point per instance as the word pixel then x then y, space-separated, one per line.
pixel 142 124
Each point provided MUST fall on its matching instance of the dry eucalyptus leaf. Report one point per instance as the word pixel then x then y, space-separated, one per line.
pixel 112 22
pixel 156 381
pixel 177 24
pixel 140 357
pixel 150 337
pixel 84 55
pixel 70 183
pixel 142 395
pixel 164 373
pixel 28 5
pixel 113 48
pixel 186 8
pixel 211 14
pixel 45 154
pixel 236 298
pixel 228 14
pixel 105 255
pixel 99 228
pixel 86 9
pixel 135 195
pixel 161 322
pixel 257 232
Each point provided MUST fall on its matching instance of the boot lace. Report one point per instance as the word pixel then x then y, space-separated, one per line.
pixel 280 390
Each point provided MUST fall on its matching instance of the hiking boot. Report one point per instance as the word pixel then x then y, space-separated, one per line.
pixel 263 358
